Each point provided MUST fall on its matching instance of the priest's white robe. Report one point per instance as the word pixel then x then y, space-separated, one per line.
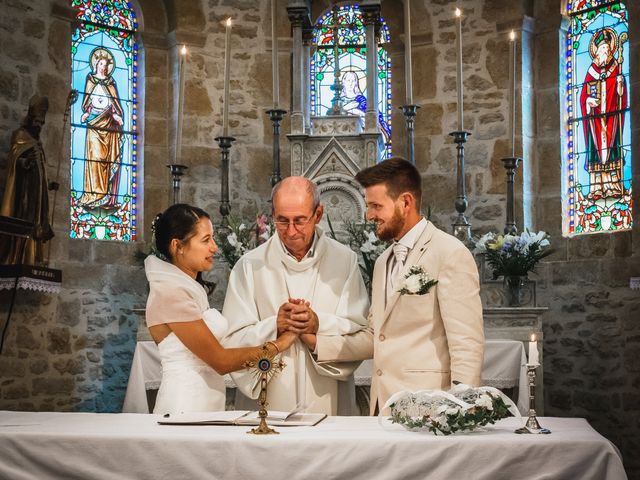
pixel 329 278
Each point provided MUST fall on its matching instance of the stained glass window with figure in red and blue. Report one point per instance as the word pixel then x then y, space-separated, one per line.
pixel 598 159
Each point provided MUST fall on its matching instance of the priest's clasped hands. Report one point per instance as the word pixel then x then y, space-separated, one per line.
pixel 296 315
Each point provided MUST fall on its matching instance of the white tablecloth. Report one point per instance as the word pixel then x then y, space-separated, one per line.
pixel 121 446
pixel 503 367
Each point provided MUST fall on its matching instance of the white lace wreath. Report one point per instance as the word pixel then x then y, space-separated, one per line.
pixel 461 408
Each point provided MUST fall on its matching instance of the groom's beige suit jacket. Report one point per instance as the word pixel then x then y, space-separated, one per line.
pixel 420 341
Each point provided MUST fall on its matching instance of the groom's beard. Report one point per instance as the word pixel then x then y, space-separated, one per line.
pixel 391 229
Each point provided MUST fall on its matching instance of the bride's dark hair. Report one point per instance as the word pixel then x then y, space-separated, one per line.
pixel 179 222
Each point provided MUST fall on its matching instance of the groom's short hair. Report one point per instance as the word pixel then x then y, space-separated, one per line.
pixel 397 174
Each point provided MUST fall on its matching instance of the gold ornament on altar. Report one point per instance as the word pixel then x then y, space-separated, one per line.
pixel 266 366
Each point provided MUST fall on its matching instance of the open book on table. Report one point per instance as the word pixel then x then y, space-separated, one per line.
pixel 244 417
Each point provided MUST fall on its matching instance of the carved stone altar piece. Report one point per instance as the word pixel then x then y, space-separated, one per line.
pixel 331 156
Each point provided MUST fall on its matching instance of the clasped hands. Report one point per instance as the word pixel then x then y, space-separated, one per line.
pixel 297 316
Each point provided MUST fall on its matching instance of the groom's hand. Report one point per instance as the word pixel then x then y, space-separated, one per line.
pixel 309 339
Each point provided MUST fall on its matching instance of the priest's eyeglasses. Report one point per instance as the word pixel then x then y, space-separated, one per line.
pixel 298 223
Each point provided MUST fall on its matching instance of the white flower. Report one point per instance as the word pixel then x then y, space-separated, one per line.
pixel 484 401
pixel 371 237
pixel 541 238
pixel 510 239
pixel 232 239
pixel 442 409
pixel 481 244
pixel 413 284
pixel 242 227
pixel 416 282
pixel 371 243
pixel 367 247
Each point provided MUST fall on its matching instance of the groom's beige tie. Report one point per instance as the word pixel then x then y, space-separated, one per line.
pixel 400 255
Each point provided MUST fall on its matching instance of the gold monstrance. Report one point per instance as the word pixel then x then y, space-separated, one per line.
pixel 266 367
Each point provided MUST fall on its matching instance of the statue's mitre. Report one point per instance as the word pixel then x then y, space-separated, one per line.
pixel 38 105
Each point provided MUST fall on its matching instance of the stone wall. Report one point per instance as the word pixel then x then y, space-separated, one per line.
pixel 72 351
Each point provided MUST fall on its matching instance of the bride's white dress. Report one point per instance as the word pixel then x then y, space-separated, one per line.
pixel 188 384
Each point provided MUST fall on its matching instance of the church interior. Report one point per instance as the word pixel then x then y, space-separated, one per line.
pixel 212 113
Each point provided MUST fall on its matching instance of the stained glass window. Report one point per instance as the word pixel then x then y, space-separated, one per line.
pixel 598 158
pixel 352 64
pixel 104 155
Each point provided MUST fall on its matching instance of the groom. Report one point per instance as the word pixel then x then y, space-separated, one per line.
pixel 423 338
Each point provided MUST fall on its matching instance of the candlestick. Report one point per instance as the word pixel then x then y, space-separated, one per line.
pixel 410 112
pixel 534 358
pixel 336 104
pixel 177 171
pixel 276 115
pixel 407 52
pixel 461 226
pixel 274 56
pixel 459 84
pixel 227 67
pixel 225 208
pixel 181 74
pixel 512 87
pixel 511 165
pixel 532 425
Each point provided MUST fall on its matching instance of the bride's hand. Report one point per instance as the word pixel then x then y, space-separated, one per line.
pixel 285 340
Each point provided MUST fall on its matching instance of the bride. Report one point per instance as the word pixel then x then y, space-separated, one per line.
pixel 180 320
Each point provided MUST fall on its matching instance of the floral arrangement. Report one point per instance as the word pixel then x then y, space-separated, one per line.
pixel 416 282
pixel 240 237
pixel 362 239
pixel 517 254
pixel 463 408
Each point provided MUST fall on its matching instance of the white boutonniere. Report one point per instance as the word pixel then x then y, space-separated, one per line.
pixel 416 282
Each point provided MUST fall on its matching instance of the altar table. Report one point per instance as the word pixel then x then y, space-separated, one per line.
pixel 123 446
pixel 503 368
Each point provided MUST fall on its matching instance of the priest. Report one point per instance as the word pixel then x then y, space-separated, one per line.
pixel 299 280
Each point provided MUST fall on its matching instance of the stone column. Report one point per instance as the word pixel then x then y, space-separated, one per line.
pixel 527 116
pixel 371 15
pixel 550 132
pixel 297 16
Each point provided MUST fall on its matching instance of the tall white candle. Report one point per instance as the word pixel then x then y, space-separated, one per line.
pixel 534 358
pixel 459 84
pixel 227 67
pixel 407 52
pixel 274 55
pixel 512 92
pixel 181 75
